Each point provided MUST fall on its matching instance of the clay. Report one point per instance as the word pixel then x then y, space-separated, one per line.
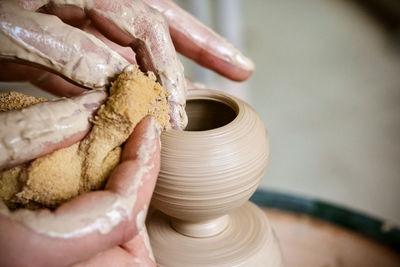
pixel 216 164
pixel 48 181
pixel 208 172
pixel 247 241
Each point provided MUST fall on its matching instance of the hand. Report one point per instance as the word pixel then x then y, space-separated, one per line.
pixel 80 56
pixel 100 228
pixel 42 128
pixel 77 54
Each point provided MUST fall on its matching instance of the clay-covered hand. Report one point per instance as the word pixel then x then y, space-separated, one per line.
pixel 71 47
pixel 101 228
pixel 30 36
pixel 42 128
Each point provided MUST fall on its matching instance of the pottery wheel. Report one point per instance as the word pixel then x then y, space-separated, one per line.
pixel 248 240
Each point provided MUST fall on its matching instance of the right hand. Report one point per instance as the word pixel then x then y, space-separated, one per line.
pixel 126 27
pixel 78 55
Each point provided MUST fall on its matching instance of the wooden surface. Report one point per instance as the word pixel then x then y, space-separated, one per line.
pixel 309 242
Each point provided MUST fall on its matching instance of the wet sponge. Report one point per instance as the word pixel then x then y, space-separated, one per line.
pixel 57 177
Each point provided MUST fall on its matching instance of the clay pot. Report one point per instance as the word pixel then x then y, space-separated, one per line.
pixel 212 167
pixel 208 172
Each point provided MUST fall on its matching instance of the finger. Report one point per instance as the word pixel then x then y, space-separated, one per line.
pixel 72 15
pixel 41 249
pixel 142 28
pixel 90 223
pixel 196 41
pixel 133 23
pixel 57 85
pixel 125 52
pixel 51 82
pixel 133 253
pixel 140 164
pixel 76 16
pixel 42 128
pixel 44 40
pixel 45 80
pixel 115 256
pixel 139 247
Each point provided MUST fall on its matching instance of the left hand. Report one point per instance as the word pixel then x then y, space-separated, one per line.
pixel 100 228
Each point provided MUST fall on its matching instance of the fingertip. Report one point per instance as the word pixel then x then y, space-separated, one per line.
pixel 91 100
pixel 233 72
pixel 236 68
pixel 225 68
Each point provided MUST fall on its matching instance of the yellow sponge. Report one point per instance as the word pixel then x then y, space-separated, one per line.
pixel 57 177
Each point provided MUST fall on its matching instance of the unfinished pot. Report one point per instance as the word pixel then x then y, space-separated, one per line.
pixel 208 173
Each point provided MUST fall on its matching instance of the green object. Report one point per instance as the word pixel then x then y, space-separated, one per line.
pixel 366 225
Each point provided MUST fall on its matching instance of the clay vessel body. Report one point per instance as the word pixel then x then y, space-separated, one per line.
pixel 208 173
pixel 216 164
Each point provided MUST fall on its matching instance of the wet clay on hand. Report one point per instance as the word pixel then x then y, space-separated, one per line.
pixel 55 178
pixel 41 39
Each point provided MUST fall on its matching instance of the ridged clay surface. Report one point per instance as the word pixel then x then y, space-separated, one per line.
pixel 247 241
pixel 207 173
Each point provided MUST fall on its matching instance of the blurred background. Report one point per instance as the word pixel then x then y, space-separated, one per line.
pixel 327 85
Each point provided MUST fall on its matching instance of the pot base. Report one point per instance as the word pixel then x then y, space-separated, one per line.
pixel 248 240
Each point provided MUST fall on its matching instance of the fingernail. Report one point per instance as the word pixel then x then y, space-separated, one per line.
pixel 178 116
pixel 91 100
pixel 244 62
pixel 130 67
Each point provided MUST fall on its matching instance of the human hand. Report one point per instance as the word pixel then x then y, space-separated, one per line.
pixel 79 56
pixel 100 228
pixel 42 128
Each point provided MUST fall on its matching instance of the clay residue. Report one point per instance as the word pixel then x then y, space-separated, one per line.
pixel 55 178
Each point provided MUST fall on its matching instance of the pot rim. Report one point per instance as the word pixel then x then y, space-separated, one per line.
pixel 213 95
